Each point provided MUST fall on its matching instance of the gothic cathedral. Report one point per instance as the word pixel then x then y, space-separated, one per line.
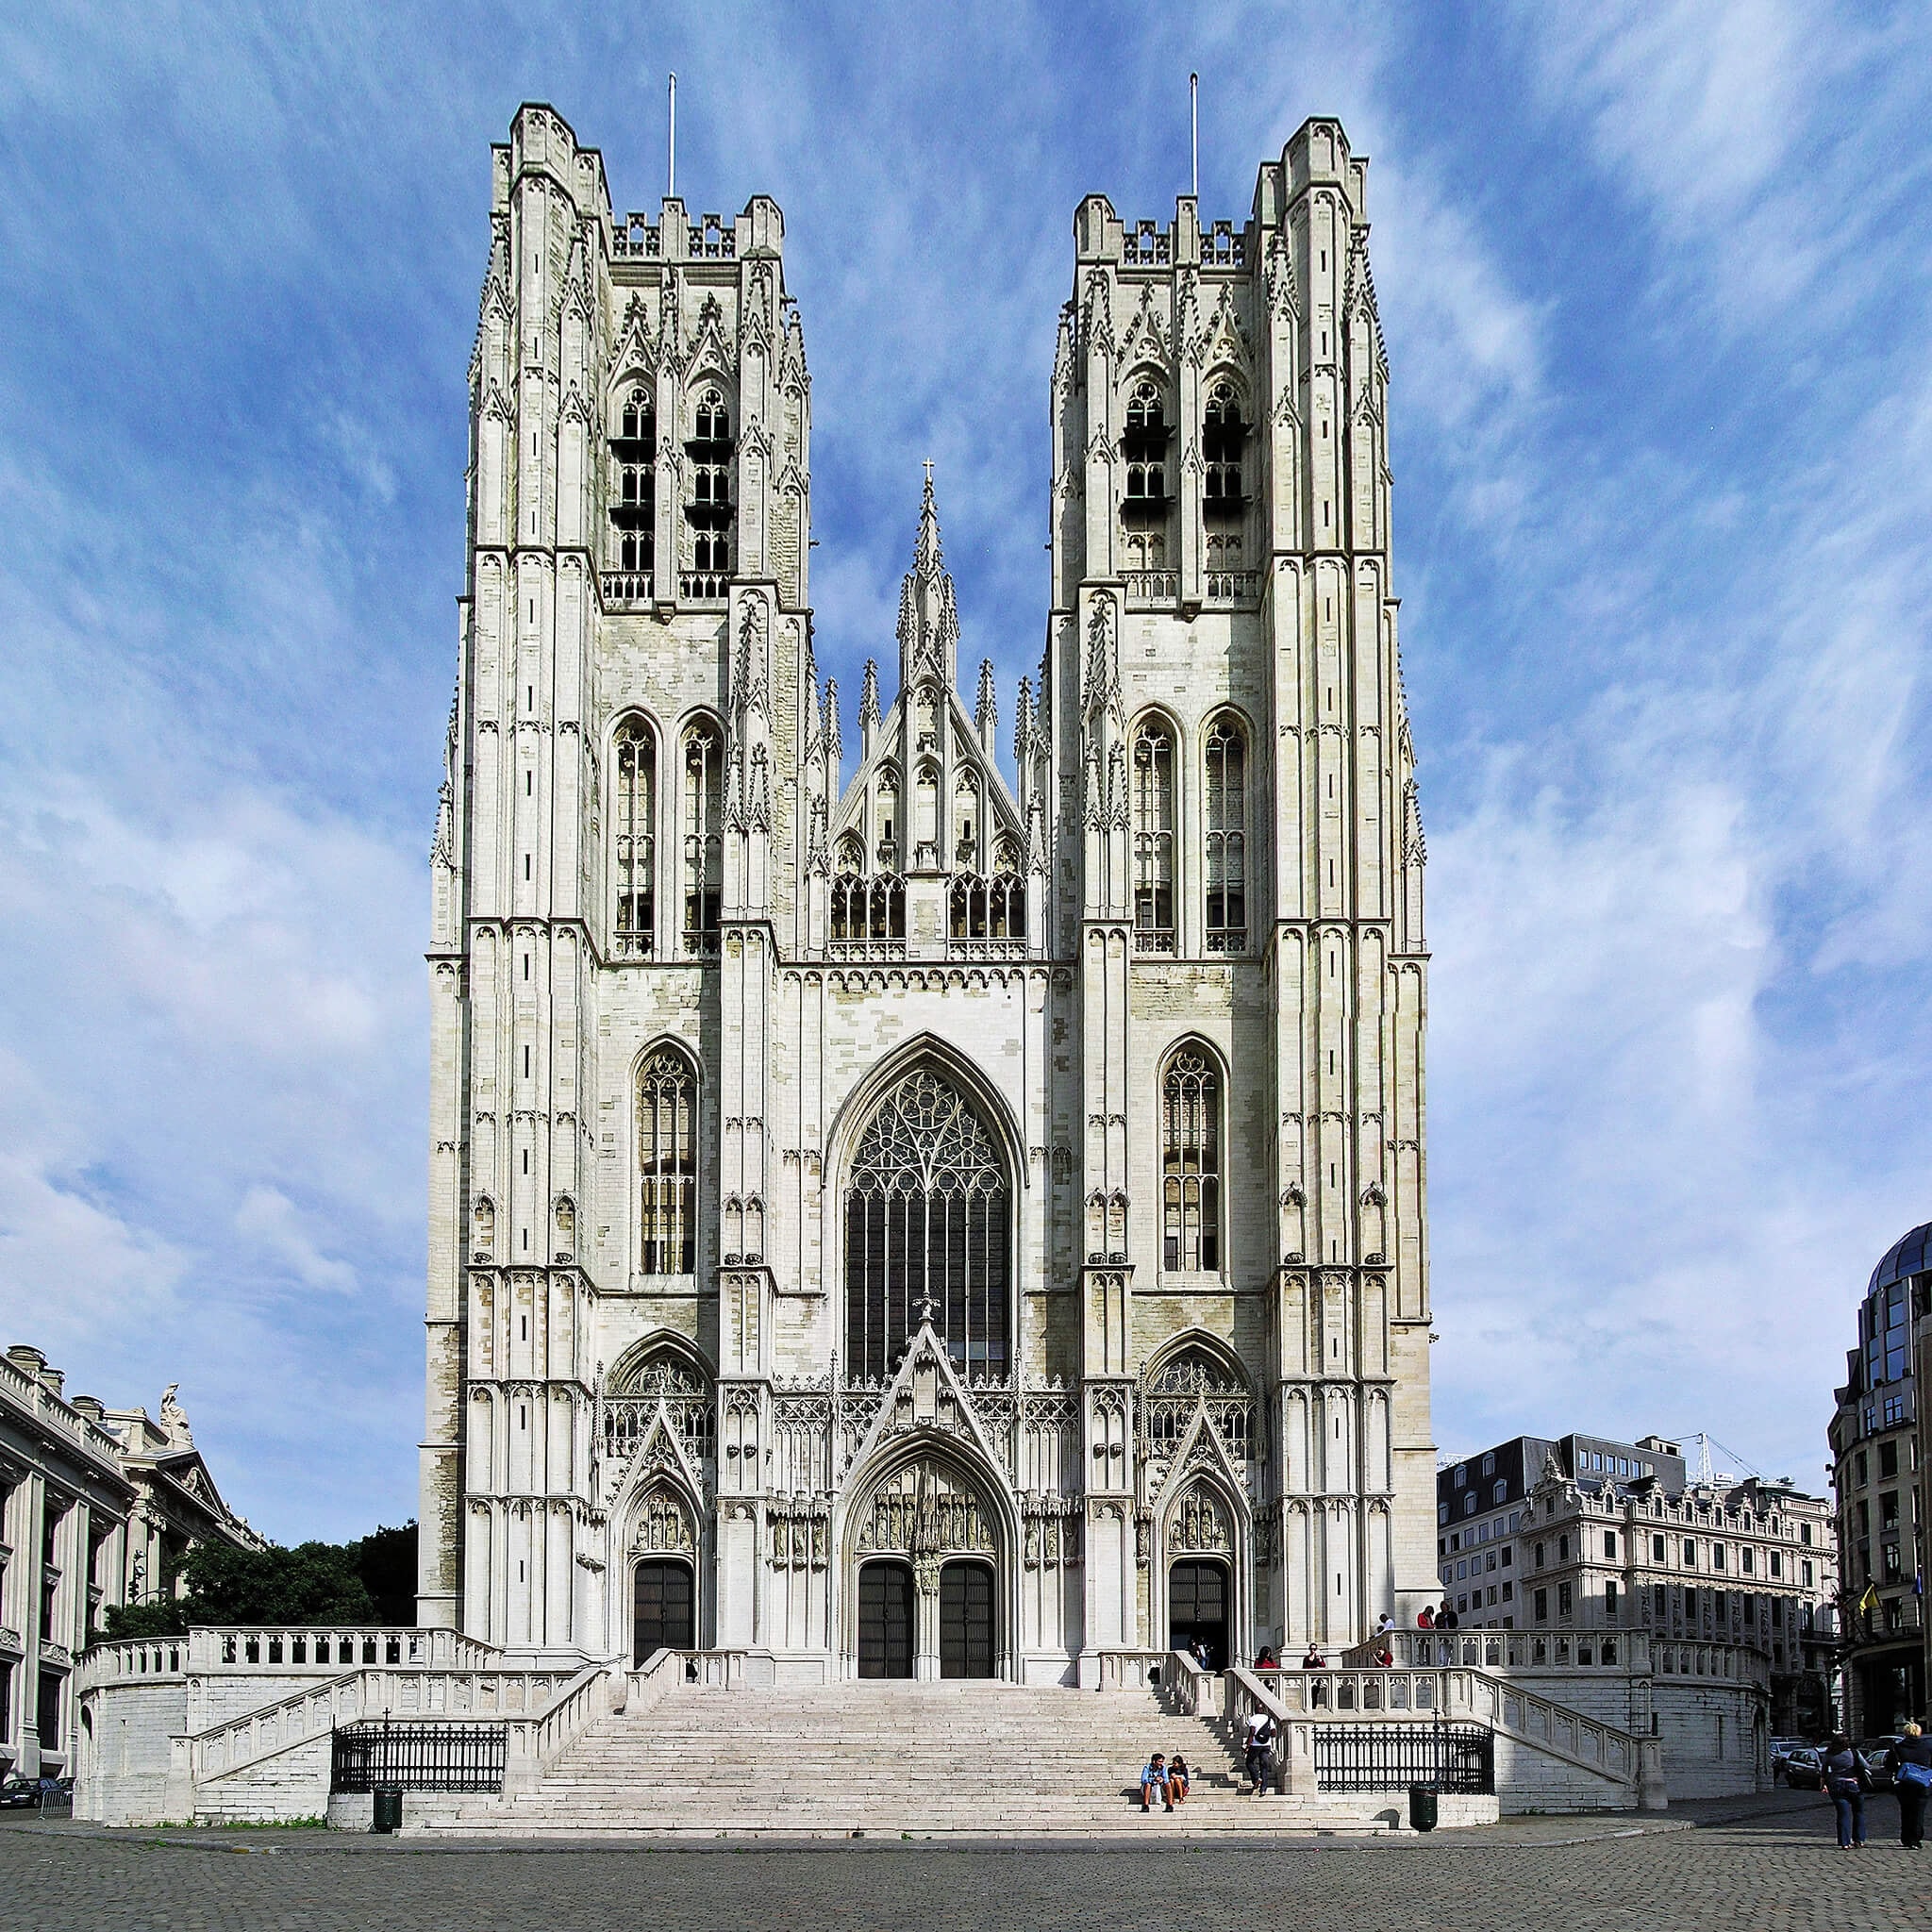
pixel 895 1213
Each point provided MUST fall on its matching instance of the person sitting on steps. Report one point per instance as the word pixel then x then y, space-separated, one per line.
pixel 1154 1778
pixel 1179 1779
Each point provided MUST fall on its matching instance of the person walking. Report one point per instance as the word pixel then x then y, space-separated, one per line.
pixel 1909 1762
pixel 1845 1779
pixel 1258 1747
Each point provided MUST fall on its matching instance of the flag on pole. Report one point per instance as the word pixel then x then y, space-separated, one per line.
pixel 1869 1600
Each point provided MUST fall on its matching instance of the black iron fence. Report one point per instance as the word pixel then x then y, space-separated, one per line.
pixel 1390 1758
pixel 420 1757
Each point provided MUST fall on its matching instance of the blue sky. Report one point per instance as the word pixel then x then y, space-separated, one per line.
pixel 1655 282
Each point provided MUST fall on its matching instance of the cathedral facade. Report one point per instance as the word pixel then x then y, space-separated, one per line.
pixel 901 1209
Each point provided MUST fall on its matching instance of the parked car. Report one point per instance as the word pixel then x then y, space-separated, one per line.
pixel 19 1794
pixel 1872 1752
pixel 1805 1770
pixel 1781 1750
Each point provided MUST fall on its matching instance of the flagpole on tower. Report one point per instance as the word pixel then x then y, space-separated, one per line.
pixel 670 185
pixel 1194 134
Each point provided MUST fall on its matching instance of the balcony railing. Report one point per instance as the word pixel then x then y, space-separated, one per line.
pixel 701 945
pixel 1232 587
pixel 625 589
pixel 704 586
pixel 1154 939
pixel 632 945
pixel 1152 587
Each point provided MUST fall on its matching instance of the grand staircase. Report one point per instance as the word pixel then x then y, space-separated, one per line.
pixel 885 1761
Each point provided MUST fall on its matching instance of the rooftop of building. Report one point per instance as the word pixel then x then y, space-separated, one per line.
pixel 1911 1254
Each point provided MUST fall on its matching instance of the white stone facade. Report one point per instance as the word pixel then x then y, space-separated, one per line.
pixel 97 1507
pixel 1138 1038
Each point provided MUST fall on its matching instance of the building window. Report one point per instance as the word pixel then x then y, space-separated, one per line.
pixel 48 1726
pixel 1661 1599
pixel 925 1232
pixel 1691 1604
pixel 1609 1542
pixel 865 910
pixel 1564 1600
pixel 1460 1479
pixel 1888 1459
pixel 1144 448
pixel 708 510
pixel 1226 866
pixel 667 1164
pixel 1716 1556
pixel 1563 1549
pixel 1223 437
pixel 1777 1563
pixel 1190 1164
pixel 1500 1493
pixel 634 842
pixel 1744 1559
pixel 1154 816
pixel 1689 1553
pixel 1609 1599
pixel 1657 1549
pixel 991 909
pixel 704 840
pixel 633 506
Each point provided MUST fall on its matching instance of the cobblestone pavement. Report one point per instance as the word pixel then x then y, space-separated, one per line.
pixel 1767 1865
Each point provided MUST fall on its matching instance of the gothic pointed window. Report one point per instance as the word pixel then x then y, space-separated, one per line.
pixel 1153 817
pixel 633 498
pixel 704 839
pixel 925 1232
pixel 709 508
pixel 989 913
pixel 1223 440
pixel 1145 496
pixel 633 857
pixel 1190 1164
pixel 886 820
pixel 667 1164
pixel 1225 866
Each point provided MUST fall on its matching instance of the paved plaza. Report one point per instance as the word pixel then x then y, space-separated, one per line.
pixel 1766 1865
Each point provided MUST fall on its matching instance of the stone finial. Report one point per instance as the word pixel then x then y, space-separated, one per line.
pixel 986 713
pixel 174 1420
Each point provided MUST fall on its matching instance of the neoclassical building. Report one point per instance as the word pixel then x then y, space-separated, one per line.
pixel 903 1207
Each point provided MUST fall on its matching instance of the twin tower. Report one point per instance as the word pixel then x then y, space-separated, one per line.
pixel 915 1203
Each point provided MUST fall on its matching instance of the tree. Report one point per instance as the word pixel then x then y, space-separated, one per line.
pixel 372 1580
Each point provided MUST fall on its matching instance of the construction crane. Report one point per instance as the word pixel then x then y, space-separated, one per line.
pixel 1703 1473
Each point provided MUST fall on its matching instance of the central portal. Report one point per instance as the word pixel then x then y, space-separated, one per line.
pixel 966 1620
pixel 1197 1609
pixel 884 1620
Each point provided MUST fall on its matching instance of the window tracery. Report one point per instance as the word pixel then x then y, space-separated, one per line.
pixel 1191 1163
pixel 1224 440
pixel 633 826
pixel 667 1164
pixel 1225 838
pixel 925 1232
pixel 1154 816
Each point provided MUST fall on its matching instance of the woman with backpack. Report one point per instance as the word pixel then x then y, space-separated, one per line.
pixel 1911 1763
pixel 1846 1782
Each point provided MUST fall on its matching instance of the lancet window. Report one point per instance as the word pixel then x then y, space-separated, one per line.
pixel 633 807
pixel 1223 441
pixel 1154 816
pixel 704 839
pixel 633 487
pixel 709 509
pixel 926 1232
pixel 1225 867
pixel 1191 1163
pixel 1144 447
pixel 667 1164
pixel 867 909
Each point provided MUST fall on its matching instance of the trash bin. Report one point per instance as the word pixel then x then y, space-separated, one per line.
pixel 1421 1807
pixel 389 1809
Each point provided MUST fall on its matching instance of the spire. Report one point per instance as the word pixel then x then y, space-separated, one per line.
pixel 986 713
pixel 869 710
pixel 928 622
pixel 833 748
pixel 1022 732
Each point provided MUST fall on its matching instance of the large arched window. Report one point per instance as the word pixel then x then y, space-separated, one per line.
pixel 668 1164
pixel 1223 438
pixel 703 838
pixel 1226 856
pixel 1191 1163
pixel 633 805
pixel 925 1232
pixel 1154 815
